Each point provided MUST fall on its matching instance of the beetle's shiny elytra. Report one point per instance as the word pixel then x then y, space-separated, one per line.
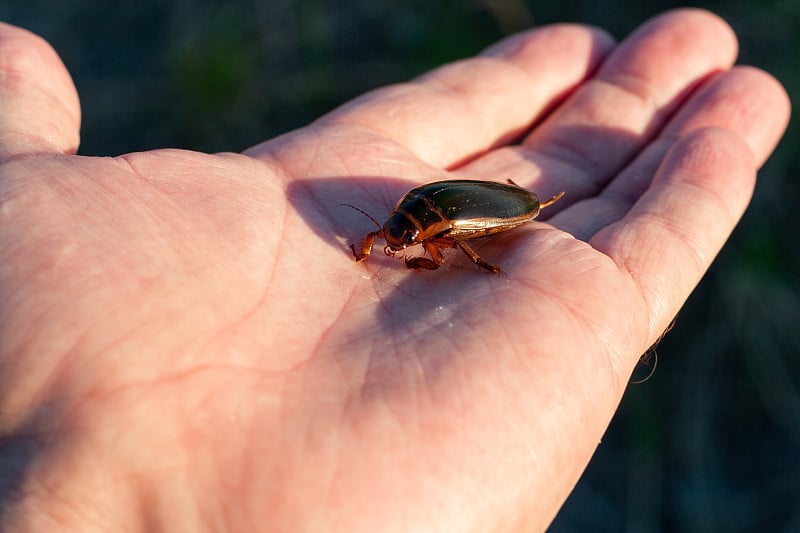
pixel 443 214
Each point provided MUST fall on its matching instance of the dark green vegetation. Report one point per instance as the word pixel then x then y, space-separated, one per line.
pixel 711 442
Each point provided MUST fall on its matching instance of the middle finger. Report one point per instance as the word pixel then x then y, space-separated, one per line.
pixel 610 118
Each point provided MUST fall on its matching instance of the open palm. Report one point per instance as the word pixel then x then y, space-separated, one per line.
pixel 186 342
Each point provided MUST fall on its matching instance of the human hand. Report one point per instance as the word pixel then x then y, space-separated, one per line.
pixel 186 342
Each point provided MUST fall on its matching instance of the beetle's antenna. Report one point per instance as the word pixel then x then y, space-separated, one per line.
pixel 363 213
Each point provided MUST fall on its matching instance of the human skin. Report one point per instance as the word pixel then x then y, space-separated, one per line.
pixel 186 343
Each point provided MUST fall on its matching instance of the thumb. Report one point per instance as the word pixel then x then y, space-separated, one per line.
pixel 39 108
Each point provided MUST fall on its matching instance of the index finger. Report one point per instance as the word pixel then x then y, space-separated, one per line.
pixel 462 109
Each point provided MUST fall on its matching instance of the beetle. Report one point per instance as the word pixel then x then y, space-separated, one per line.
pixel 444 214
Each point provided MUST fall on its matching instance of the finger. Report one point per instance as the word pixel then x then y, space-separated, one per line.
pixel 670 236
pixel 39 108
pixel 614 115
pixel 748 102
pixel 462 109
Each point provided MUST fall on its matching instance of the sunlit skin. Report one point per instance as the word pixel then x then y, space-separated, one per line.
pixel 186 343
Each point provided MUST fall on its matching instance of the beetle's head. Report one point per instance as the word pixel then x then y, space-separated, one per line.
pixel 399 232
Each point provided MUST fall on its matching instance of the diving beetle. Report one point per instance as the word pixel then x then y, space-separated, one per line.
pixel 444 214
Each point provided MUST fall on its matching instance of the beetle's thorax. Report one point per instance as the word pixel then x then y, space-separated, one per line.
pixel 414 219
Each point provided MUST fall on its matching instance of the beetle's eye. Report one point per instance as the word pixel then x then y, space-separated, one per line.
pixel 410 237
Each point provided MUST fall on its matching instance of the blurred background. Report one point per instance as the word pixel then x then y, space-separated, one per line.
pixel 711 442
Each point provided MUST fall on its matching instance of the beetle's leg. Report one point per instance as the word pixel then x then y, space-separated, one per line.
pixel 551 200
pixel 478 260
pixel 421 262
pixel 366 248
pixel 424 262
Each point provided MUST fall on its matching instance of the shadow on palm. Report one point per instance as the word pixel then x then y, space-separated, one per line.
pixel 547 274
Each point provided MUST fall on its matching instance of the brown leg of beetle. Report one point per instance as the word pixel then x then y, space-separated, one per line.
pixel 366 248
pixel 416 263
pixel 424 262
pixel 478 260
pixel 551 200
